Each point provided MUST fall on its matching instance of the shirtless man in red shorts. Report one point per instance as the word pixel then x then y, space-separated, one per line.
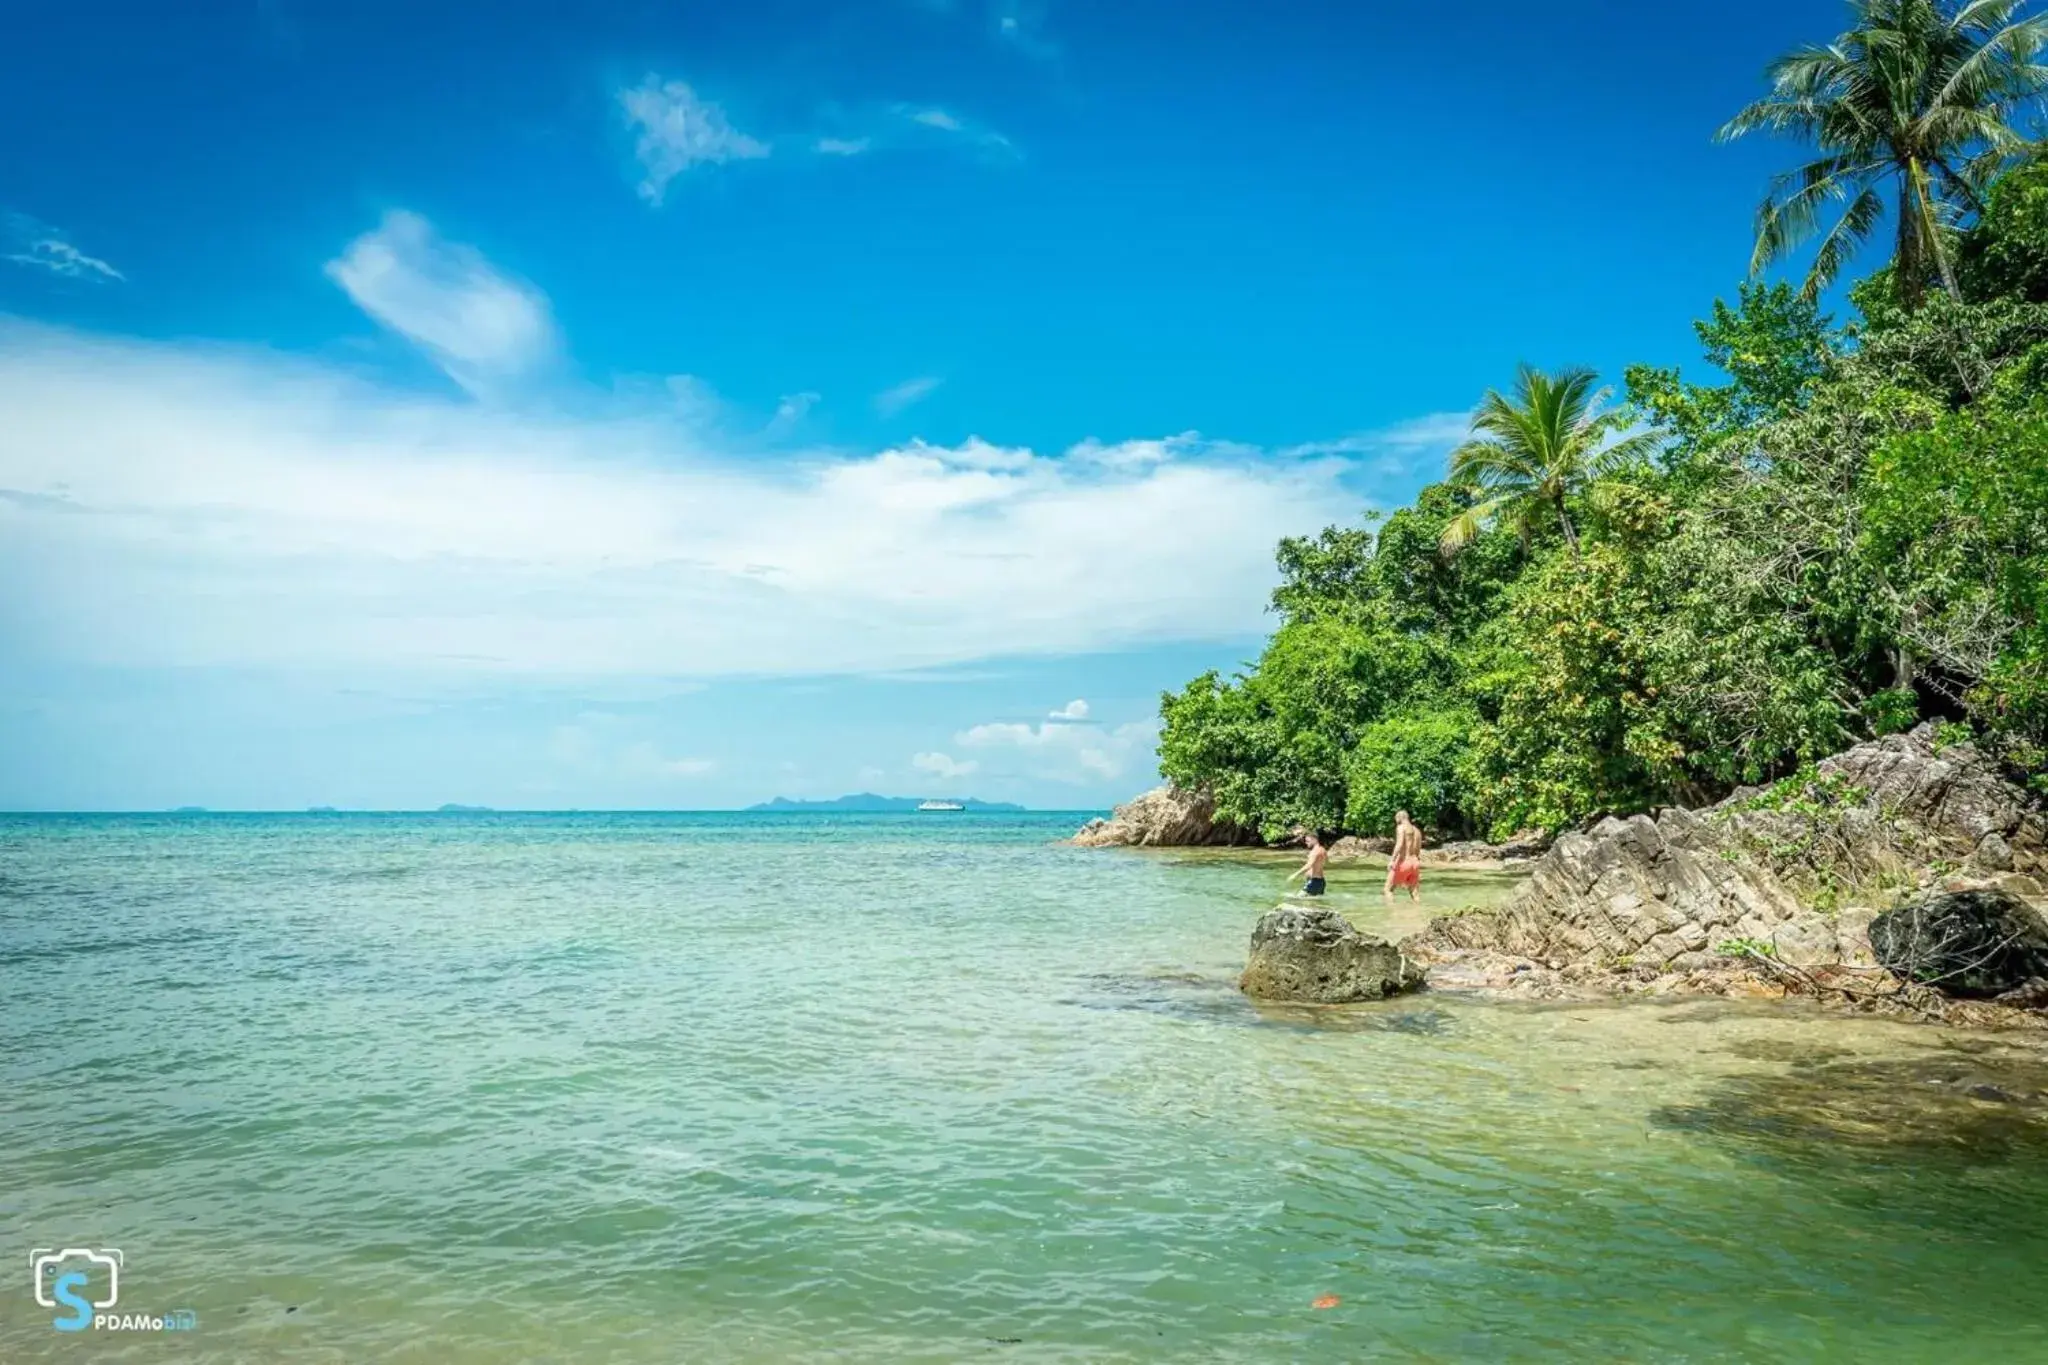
pixel 1404 864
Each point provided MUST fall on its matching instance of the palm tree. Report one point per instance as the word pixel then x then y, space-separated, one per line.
pixel 1529 453
pixel 1919 93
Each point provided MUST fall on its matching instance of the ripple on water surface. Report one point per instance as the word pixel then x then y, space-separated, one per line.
pixel 759 1088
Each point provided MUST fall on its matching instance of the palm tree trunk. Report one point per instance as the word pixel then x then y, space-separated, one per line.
pixel 1571 535
pixel 1909 270
pixel 1931 231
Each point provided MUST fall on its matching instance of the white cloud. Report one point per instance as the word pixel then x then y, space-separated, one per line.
pixel 43 247
pixel 791 410
pixel 678 130
pixel 695 400
pixel 1402 448
pixel 891 401
pixel 943 765
pixel 1130 456
pixel 1067 746
pixel 174 506
pixel 479 325
pixel 956 127
pixel 842 146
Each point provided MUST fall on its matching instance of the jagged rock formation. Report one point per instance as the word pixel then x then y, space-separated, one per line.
pixel 1167 817
pixel 1761 867
pixel 1314 956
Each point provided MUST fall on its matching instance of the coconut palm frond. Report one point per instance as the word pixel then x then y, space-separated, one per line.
pixel 1925 94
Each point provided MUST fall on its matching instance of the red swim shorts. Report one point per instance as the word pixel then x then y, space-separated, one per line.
pixel 1408 872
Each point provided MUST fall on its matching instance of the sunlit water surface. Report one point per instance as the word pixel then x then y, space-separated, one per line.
pixel 476 1088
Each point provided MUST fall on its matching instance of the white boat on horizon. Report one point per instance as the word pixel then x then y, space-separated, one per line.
pixel 940 805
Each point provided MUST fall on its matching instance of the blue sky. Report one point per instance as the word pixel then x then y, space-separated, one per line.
pixel 674 405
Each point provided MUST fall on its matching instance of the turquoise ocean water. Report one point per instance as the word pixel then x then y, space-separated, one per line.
pixel 760 1088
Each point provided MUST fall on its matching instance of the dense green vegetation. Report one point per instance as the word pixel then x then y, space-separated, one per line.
pixel 1847 535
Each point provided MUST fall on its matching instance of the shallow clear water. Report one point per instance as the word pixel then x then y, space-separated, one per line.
pixel 657 1088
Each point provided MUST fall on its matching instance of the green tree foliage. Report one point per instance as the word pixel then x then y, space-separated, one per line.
pixel 1958 523
pixel 2006 254
pixel 1918 95
pixel 1773 346
pixel 1531 453
pixel 1844 535
pixel 1564 674
pixel 1418 760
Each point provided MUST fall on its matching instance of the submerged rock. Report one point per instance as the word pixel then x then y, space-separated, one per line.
pixel 1314 956
pixel 1167 817
pixel 1975 944
pixel 1946 1107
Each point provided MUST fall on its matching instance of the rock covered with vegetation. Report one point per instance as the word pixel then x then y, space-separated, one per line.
pixel 1314 956
pixel 1790 872
pixel 1167 817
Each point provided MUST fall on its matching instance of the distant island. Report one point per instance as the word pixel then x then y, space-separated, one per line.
pixel 869 802
pixel 453 809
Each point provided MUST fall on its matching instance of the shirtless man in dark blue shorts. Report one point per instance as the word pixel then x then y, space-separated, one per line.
pixel 1318 857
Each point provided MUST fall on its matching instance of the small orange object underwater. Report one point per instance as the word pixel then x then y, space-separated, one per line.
pixel 1326 1301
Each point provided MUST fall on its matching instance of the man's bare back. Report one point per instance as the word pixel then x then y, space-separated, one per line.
pixel 1404 862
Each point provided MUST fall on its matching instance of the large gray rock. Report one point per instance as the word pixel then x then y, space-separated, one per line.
pixel 1650 891
pixel 1316 957
pixel 1166 817
pixel 1975 944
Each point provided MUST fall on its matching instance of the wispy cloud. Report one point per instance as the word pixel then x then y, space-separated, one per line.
pixel 291 515
pixel 678 130
pixel 955 127
pixel 694 399
pixel 790 412
pixel 1401 448
pixel 903 127
pixel 891 401
pixel 42 247
pixel 943 766
pixel 479 325
pixel 600 744
pixel 1067 746
pixel 1021 24
pixel 646 758
pixel 1017 23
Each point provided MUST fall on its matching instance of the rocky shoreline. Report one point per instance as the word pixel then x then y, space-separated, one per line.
pixel 1904 877
pixel 1168 817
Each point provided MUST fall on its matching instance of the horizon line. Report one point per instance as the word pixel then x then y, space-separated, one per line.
pixel 759 808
